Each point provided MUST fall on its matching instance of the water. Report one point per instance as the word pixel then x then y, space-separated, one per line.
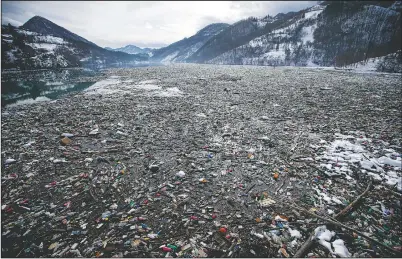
pixel 34 86
pixel 24 87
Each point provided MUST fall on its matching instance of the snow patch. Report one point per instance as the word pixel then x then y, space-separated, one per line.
pixel 312 14
pixel 307 33
pixel 50 39
pixel 46 46
pixel 346 151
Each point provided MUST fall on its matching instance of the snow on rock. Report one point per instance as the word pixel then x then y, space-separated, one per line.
pixel 50 39
pixel 307 33
pixel 27 32
pixel 11 57
pixel 45 46
pixel 313 14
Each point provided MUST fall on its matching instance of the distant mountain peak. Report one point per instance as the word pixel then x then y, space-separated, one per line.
pixel 38 21
pixel 130 49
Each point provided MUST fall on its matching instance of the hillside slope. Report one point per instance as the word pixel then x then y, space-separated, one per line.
pixel 181 50
pixel 330 34
pixel 40 43
pixel 237 35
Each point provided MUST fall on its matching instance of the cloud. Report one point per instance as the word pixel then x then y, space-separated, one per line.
pixel 146 24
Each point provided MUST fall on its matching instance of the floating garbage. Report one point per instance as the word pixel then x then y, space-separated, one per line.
pixel 134 170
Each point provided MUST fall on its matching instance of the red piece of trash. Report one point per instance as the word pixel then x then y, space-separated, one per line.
pixel 166 249
pixel 13 175
pixel 222 230
pixel 24 201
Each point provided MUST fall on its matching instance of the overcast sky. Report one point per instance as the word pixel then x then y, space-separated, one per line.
pixel 145 24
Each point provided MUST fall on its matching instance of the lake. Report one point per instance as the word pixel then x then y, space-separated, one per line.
pixel 24 87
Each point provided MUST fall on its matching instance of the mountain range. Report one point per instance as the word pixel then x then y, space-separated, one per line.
pixel 40 43
pixel 332 33
pixel 132 49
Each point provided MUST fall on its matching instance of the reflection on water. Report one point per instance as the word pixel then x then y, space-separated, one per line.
pixel 23 87
pixel 35 86
pixel 36 91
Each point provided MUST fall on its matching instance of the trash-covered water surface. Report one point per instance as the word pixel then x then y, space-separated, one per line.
pixel 207 161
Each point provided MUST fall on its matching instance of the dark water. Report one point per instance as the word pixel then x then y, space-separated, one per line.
pixel 34 86
pixel 35 91
pixel 22 87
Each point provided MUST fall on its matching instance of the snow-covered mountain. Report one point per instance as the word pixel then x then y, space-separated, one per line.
pixel 236 35
pixel 43 26
pixel 332 33
pixel 181 50
pixel 329 34
pixel 132 49
pixel 40 43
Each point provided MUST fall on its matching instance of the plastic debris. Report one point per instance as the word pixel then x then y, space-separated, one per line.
pixel 162 162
